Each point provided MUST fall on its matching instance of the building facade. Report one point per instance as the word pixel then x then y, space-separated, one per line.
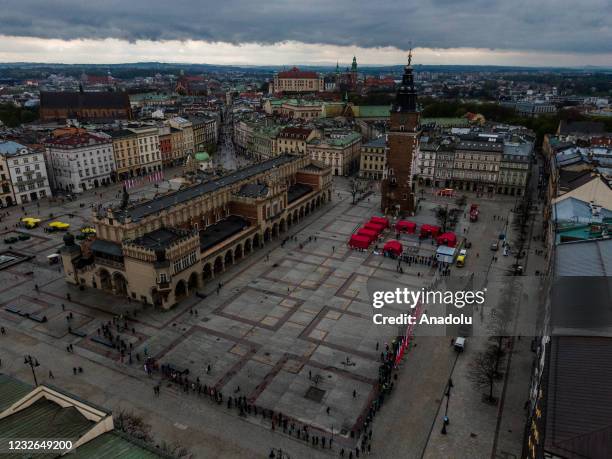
pixel 293 140
pixel 26 171
pixel 338 149
pixel 136 151
pixel 80 161
pixel 205 132
pixel 7 197
pixel 403 143
pixel 373 159
pixel 159 251
pixel 297 81
pixel 165 145
pixel 477 164
pixel 182 139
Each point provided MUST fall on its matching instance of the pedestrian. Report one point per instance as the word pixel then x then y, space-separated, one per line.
pixel 51 375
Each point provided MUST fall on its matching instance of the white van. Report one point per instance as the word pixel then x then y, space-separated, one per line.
pixel 459 344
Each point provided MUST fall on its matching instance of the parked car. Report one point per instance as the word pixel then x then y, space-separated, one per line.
pixel 459 344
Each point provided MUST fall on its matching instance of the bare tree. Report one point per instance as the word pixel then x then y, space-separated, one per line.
pixel 134 425
pixel 174 449
pixel 482 372
pixel 442 216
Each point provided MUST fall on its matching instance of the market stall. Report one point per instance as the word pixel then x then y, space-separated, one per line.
pixel 393 247
pixel 405 226
pixel 359 242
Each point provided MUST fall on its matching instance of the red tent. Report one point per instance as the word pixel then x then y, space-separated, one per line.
pixel 448 239
pixel 359 242
pixel 404 225
pixel 430 230
pixel 374 227
pixel 370 234
pixel 394 247
pixel 381 221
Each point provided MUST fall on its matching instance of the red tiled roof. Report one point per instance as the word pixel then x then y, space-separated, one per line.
pixel 297 73
pixel 77 140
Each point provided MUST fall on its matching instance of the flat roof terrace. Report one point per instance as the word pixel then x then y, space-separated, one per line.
pixel 220 231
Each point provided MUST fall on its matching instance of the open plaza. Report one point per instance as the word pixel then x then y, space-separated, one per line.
pixel 286 332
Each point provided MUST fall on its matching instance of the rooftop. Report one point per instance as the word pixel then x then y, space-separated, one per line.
pixel 77 140
pixel 578 397
pixel 160 238
pixel 297 73
pixel 10 148
pixel 379 142
pixel 46 419
pixel 296 191
pixel 84 100
pixel 11 390
pixel 253 190
pixel 220 231
pixel 161 203
pixel 113 445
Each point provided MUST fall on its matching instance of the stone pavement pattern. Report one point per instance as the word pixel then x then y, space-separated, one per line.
pixel 285 317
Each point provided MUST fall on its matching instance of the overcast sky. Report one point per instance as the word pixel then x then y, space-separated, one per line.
pixel 505 32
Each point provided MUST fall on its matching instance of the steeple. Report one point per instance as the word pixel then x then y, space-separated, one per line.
pixel 337 67
pixel 354 65
pixel 406 98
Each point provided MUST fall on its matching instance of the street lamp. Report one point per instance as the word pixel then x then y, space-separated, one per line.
pixel 33 362
pixel 445 420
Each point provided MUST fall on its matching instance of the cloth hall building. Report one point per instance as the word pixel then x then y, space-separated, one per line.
pixel 162 250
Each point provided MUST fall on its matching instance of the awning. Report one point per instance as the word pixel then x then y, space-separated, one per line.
pixel 394 247
pixel 404 225
pixel 374 227
pixel 430 230
pixel 381 221
pixel 370 234
pixel 448 239
pixel 360 242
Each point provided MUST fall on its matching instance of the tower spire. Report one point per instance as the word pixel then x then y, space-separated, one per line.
pixel 406 97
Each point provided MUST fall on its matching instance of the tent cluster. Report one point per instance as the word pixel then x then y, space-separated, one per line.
pixel 368 233
pixel 405 226
pixel 429 231
pixel 447 239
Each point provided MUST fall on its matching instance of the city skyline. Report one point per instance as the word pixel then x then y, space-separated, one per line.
pixel 516 33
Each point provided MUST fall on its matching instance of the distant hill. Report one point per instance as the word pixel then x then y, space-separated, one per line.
pixel 129 70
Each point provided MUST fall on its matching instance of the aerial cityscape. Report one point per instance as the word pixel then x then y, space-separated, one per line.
pixel 283 231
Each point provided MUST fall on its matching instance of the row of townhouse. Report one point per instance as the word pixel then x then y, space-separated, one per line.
pixel 74 160
pixel 492 163
pixel 261 139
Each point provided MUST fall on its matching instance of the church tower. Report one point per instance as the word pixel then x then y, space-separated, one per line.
pixel 402 147
pixel 353 74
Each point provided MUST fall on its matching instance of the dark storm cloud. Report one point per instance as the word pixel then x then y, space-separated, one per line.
pixel 542 25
